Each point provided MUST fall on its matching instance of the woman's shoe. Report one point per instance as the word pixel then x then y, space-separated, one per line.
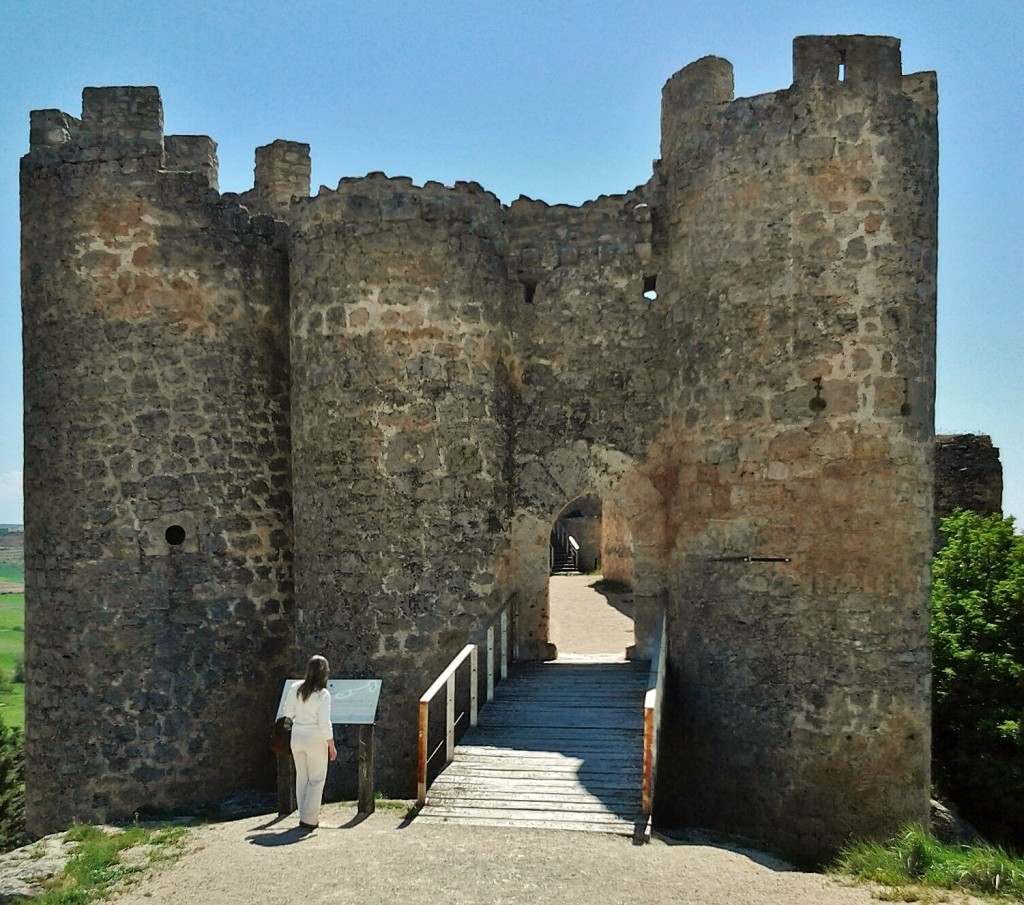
pixel 308 826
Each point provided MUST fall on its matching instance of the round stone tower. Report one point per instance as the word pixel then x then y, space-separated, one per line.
pixel 399 421
pixel 157 468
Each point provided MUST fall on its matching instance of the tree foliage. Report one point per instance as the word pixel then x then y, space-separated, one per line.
pixel 12 787
pixel 977 632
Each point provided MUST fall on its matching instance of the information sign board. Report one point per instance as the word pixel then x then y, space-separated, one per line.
pixel 353 701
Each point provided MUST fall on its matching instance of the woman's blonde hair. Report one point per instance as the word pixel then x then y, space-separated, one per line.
pixel 317 671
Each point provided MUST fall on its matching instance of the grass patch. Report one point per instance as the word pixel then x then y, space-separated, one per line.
pixel 12 707
pixel 12 572
pixel 12 652
pixel 915 859
pixel 12 612
pixel 106 860
pixel 382 803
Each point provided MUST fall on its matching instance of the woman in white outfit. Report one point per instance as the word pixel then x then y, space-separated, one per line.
pixel 309 706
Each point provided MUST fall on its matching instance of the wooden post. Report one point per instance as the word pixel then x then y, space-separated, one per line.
pixel 367 804
pixel 504 644
pixel 490 662
pixel 421 770
pixel 285 785
pixel 474 681
pixel 449 720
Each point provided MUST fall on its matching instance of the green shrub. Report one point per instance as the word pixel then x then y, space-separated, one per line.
pixel 977 633
pixel 12 788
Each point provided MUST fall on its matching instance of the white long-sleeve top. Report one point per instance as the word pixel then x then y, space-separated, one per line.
pixel 310 715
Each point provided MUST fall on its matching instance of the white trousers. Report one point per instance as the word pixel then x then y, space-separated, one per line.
pixel 309 750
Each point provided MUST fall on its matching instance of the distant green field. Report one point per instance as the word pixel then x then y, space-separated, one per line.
pixel 10 571
pixel 12 650
pixel 12 564
pixel 12 707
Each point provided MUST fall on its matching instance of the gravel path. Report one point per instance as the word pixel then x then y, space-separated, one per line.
pixel 382 860
pixel 588 621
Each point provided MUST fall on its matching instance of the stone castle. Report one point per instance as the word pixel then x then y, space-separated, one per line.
pixel 259 426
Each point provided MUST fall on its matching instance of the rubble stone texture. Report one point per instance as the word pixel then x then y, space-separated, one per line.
pixel 968 475
pixel 406 384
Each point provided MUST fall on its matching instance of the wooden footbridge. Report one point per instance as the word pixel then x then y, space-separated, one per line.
pixel 561 745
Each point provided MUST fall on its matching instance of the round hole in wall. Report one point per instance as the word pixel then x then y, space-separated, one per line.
pixel 175 535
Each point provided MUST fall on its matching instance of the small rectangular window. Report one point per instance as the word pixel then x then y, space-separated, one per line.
pixel 651 287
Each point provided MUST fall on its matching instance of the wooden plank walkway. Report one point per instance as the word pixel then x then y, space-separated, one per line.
pixel 559 747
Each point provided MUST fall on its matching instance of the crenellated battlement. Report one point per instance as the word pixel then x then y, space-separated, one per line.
pixel 611 228
pixel 859 62
pixel 52 129
pixel 123 124
pixel 282 172
pixel 129 119
pixel 192 154
pixel 381 199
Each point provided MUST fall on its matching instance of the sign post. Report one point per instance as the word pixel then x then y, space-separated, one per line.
pixel 353 703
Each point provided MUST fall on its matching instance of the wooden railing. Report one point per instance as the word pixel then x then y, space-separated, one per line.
pixel 447 680
pixel 652 713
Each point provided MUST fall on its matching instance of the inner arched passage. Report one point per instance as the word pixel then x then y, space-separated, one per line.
pixel 590 594
pixel 630 543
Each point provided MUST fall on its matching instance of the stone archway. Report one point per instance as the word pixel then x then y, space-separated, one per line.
pixel 546 485
pixel 591 616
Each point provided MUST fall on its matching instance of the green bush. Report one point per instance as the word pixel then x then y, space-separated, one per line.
pixel 977 632
pixel 913 858
pixel 12 788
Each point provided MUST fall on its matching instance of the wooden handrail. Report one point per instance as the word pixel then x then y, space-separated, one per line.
pixel 447 679
pixel 652 713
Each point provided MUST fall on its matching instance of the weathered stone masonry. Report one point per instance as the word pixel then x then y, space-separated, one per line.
pixel 405 384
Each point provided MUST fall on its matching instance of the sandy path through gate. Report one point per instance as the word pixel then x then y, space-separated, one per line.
pixel 589 618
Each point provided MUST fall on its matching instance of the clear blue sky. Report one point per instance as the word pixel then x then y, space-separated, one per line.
pixel 555 100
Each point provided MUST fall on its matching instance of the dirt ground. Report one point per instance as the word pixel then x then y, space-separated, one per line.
pixel 588 618
pixel 384 859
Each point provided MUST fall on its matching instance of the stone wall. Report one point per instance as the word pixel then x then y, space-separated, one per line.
pixel 968 475
pixel 157 469
pixel 737 358
pixel 616 545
